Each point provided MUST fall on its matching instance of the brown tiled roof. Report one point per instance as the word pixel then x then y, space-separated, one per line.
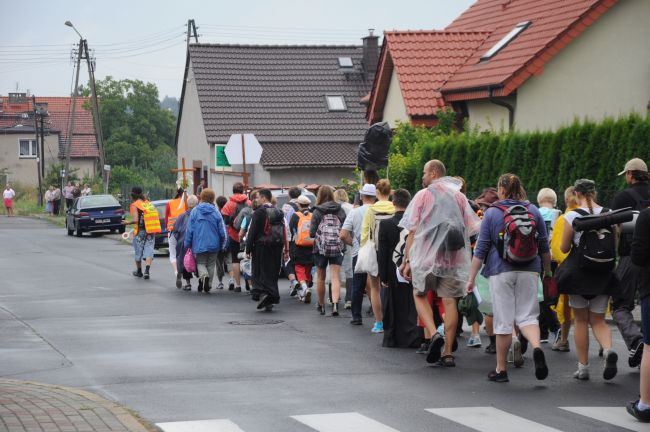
pixel 311 154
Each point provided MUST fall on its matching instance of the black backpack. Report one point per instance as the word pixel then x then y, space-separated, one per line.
pixel 597 247
pixel 274 229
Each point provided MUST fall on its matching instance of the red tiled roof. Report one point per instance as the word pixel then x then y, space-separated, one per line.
pixel 554 23
pixel 84 143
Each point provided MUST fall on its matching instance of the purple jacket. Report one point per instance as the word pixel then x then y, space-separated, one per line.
pixel 488 238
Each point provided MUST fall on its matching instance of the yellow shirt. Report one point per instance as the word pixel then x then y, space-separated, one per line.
pixel 380 207
pixel 556 238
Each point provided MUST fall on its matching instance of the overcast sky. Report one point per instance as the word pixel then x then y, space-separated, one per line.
pixel 146 39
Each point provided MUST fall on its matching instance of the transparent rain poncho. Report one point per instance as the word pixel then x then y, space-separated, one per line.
pixel 443 222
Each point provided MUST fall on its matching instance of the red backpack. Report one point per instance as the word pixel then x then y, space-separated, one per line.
pixel 518 240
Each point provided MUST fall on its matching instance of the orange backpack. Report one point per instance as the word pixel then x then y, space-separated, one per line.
pixel 302 236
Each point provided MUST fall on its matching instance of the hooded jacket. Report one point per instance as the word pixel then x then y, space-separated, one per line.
pixel 380 207
pixel 227 213
pixel 205 230
pixel 330 207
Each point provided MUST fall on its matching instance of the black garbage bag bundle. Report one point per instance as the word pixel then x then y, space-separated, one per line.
pixel 373 151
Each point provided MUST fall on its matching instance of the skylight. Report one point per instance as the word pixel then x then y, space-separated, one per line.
pixel 345 62
pixel 336 103
pixel 505 40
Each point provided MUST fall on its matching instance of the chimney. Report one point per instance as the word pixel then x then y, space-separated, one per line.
pixel 370 54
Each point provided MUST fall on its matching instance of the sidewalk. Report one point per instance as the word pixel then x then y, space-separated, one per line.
pixel 35 407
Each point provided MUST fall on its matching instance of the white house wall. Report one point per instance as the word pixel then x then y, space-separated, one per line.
pixel 488 116
pixel 192 142
pixel 23 170
pixel 605 71
pixel 394 108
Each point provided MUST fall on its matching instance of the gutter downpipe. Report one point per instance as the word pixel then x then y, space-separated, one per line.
pixel 510 108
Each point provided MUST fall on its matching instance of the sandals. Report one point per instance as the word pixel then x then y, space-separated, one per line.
pixel 447 361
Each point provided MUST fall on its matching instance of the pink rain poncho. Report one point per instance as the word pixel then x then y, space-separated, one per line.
pixel 443 222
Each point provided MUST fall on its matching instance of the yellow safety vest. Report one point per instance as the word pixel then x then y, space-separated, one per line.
pixel 150 216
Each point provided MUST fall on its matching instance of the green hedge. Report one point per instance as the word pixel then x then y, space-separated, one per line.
pixel 542 159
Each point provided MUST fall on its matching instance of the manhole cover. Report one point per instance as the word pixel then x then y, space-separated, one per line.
pixel 256 322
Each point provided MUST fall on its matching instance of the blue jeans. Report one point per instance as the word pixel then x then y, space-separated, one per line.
pixel 358 287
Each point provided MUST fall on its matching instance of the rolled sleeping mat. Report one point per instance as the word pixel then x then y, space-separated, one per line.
pixel 628 227
pixel 602 220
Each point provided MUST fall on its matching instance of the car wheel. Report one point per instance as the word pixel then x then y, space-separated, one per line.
pixel 78 231
pixel 70 232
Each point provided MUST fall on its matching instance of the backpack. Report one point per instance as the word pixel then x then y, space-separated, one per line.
pixel 230 220
pixel 518 240
pixel 151 218
pixel 374 231
pixel 302 237
pixel 328 243
pixel 274 229
pixel 597 247
pixel 237 222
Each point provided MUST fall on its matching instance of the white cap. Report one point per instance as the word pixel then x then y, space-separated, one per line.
pixel 303 200
pixel 368 190
pixel 635 164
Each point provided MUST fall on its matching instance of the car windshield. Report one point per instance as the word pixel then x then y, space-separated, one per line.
pixel 99 201
pixel 161 209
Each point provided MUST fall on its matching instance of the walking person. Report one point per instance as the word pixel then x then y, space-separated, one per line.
pixel 637 196
pixel 640 254
pixel 86 191
pixel 301 247
pixel 399 313
pixel 382 209
pixel 179 230
pixel 206 235
pixel 147 224
pixel 68 190
pixel 589 286
pixel 173 210
pixel 8 196
pixel 237 202
pixel 289 267
pixel 514 246
pixel 266 243
pixel 327 219
pixel 351 236
pixel 341 197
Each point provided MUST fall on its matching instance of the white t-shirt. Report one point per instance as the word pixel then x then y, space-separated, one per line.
pixel 569 217
pixel 8 194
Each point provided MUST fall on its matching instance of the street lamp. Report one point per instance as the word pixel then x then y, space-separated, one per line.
pixel 69 24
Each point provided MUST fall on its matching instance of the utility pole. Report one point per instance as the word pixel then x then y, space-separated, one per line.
pixel 73 115
pixel 96 116
pixel 39 154
pixel 191 32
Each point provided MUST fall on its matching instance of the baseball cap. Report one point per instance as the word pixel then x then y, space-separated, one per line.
pixel 368 190
pixel 303 200
pixel 635 164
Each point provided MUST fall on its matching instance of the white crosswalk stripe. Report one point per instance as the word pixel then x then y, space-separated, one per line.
pixel 489 419
pixel 616 416
pixel 221 425
pixel 343 422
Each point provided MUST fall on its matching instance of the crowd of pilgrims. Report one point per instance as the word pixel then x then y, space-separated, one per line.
pixel 430 261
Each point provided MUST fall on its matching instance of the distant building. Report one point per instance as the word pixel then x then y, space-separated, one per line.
pixel 18 148
pixel 303 103
pixel 527 64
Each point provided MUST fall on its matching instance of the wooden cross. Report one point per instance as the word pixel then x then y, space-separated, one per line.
pixel 183 170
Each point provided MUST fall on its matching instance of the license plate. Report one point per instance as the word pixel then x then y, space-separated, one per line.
pixel 102 220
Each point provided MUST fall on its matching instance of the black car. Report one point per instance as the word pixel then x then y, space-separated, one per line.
pixel 94 213
pixel 162 241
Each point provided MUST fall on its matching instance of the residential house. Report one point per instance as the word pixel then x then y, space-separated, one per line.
pixel 527 64
pixel 303 104
pixel 18 142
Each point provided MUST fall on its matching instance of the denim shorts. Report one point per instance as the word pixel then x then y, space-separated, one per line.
pixel 322 261
pixel 143 245
pixel 645 319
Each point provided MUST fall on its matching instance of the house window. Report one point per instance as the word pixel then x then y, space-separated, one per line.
pixel 336 103
pixel 505 40
pixel 28 148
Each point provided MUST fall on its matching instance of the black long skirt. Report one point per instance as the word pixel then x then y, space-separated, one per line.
pixel 400 317
pixel 266 265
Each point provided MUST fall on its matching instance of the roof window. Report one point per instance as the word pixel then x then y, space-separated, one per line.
pixel 345 62
pixel 336 103
pixel 505 40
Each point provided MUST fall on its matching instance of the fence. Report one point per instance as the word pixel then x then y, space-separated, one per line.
pixel 154 193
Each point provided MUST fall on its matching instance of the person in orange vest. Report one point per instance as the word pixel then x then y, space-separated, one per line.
pixel 173 210
pixel 147 224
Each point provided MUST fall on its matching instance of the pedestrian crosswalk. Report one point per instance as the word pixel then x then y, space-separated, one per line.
pixel 482 419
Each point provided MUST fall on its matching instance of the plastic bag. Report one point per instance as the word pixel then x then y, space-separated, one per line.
pixel 246 267
pixel 189 262
pixel 373 151
pixel 367 259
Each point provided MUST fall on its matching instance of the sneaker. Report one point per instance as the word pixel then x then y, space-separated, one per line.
pixel 187 287
pixel 610 365
pixel 378 327
pixel 561 346
pixel 146 275
pixel 356 321
pixel 335 310
pixel 237 289
pixel 641 415
pixel 348 305
pixel 220 286
pixel 441 330
pixel 307 299
pixel 137 273
pixel 541 369
pixel 265 300
pixel 582 373
pixel 636 353
pixel 179 282
pixel 321 309
pixel 435 348
pixel 293 289
pixel 517 356
pixel 491 349
pixel 424 348
pixel 231 285
pixel 474 341
pixel 499 377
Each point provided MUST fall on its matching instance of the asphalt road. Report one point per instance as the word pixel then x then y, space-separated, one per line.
pixel 72 314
